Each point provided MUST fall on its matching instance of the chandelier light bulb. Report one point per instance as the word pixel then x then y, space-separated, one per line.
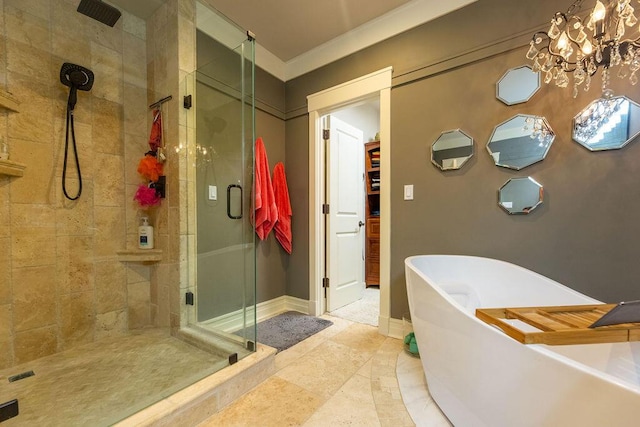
pixel 563 42
pixel 599 11
pixel 573 50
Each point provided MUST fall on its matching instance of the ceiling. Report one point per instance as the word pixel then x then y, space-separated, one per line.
pixel 287 29
pixel 290 29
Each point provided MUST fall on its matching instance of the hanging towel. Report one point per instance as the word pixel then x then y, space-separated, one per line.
pixel 155 139
pixel 282 228
pixel 265 210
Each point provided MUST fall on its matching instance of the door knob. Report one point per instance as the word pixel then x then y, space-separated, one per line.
pixel 360 224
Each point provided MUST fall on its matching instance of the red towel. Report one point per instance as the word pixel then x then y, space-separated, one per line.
pixel 283 226
pixel 265 210
pixel 155 139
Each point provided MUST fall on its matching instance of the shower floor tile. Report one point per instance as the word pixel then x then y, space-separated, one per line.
pixel 100 383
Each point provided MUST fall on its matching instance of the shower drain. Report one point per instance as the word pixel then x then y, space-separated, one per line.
pixel 21 376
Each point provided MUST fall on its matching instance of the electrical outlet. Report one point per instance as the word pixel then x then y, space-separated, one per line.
pixel 213 192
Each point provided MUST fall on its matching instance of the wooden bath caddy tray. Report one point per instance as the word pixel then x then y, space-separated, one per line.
pixel 559 325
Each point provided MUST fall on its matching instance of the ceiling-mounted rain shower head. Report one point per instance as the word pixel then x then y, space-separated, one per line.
pixel 100 11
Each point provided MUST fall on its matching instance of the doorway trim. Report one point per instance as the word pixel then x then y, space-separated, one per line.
pixel 376 84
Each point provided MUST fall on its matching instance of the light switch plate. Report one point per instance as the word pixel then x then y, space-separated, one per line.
pixel 408 192
pixel 213 192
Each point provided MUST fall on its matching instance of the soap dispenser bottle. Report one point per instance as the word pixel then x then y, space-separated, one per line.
pixel 145 234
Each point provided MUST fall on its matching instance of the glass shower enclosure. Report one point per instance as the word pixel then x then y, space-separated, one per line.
pixel 219 103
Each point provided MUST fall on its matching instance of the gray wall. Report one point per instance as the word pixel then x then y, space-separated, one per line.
pixel 584 235
pixel 271 259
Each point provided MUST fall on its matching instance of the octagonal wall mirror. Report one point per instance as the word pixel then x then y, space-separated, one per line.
pixel 520 195
pixel 520 141
pixel 517 85
pixel 451 150
pixel 608 123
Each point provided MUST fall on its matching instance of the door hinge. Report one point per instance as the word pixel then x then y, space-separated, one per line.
pixel 325 134
pixel 325 209
pixel 188 297
pixel 325 282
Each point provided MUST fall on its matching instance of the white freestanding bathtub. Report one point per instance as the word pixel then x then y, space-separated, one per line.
pixel 479 376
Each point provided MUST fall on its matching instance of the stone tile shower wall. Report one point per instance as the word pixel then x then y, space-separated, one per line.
pixel 61 283
pixel 170 59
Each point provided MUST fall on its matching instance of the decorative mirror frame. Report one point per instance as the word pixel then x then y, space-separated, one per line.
pixel 508 206
pixel 466 159
pixel 540 129
pixel 513 78
pixel 607 102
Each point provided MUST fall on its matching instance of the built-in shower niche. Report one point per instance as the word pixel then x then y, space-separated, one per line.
pixel 8 167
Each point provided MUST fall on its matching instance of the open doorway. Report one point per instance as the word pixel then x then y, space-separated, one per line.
pixel 363 198
pixel 376 85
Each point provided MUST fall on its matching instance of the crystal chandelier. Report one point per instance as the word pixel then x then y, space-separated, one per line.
pixel 539 130
pixel 600 117
pixel 571 47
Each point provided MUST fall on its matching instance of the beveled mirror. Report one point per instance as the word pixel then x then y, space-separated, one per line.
pixel 451 150
pixel 517 85
pixel 520 141
pixel 520 195
pixel 608 123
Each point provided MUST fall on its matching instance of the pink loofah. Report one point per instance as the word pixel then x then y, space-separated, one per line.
pixel 146 196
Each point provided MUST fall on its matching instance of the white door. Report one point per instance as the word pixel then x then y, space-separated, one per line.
pixel 345 187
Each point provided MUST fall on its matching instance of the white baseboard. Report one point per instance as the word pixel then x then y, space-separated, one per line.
pixel 297 304
pixel 234 321
pixel 395 328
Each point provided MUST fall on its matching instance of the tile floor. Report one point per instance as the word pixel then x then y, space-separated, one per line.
pixel 366 310
pixel 415 394
pixel 344 375
pixel 347 374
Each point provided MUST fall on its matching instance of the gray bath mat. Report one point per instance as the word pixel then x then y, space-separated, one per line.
pixel 289 328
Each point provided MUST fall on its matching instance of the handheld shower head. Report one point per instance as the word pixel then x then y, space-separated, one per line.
pixel 99 11
pixel 77 78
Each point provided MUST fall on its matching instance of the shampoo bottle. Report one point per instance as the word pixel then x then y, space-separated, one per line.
pixel 145 234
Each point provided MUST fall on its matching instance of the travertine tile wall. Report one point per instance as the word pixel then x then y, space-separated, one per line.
pixel 170 60
pixel 61 283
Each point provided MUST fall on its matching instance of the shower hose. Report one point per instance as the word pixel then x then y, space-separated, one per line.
pixel 70 129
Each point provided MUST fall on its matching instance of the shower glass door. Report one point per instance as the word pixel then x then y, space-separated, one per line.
pixel 221 161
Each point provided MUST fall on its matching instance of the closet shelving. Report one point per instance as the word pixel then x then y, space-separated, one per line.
pixel 372 210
